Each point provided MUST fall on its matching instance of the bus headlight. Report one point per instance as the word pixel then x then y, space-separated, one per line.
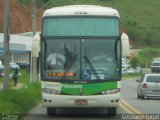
pixel 50 91
pixel 114 91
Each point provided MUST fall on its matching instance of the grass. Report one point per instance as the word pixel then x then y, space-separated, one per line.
pixel 138 17
pixel 20 101
pixel 145 56
pixel 24 77
pixel 132 75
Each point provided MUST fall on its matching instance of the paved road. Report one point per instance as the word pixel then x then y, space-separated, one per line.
pixel 129 94
pixel 39 113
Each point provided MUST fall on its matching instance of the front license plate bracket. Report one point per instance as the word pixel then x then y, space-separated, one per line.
pixel 81 102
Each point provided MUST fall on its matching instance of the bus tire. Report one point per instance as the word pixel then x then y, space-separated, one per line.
pixel 111 111
pixel 51 111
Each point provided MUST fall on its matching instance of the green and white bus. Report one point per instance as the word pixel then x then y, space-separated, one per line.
pixel 89 74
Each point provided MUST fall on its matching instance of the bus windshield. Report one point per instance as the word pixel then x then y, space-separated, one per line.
pixel 80 26
pixel 80 59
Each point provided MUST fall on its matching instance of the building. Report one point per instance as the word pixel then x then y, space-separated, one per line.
pixel 19 46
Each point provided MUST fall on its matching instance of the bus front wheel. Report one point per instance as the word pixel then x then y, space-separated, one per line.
pixel 51 111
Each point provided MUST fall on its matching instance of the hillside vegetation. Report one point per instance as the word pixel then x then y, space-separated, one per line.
pixel 140 18
pixel 144 57
pixel 20 17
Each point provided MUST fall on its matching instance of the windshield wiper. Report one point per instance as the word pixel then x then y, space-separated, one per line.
pixel 70 60
pixel 68 67
pixel 91 66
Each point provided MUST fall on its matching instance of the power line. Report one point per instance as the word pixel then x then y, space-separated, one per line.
pixel 37 10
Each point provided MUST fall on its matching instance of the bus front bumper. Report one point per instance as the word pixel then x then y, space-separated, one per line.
pixel 66 101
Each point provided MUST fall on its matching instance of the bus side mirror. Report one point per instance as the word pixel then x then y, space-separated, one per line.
pixel 125 45
pixel 36 45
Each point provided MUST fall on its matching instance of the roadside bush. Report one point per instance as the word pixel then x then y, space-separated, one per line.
pixel 145 57
pixel 20 101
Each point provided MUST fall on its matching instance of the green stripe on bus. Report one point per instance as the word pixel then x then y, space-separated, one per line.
pixel 88 88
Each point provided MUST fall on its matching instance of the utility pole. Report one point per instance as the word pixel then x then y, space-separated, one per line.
pixel 6 22
pixel 34 11
pixel 33 66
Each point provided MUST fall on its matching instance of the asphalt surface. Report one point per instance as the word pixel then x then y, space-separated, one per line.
pixel 129 94
pixel 39 113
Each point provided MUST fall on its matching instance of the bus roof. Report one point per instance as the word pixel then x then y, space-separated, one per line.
pixel 81 10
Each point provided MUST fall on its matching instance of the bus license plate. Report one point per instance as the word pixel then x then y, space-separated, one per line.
pixel 81 102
